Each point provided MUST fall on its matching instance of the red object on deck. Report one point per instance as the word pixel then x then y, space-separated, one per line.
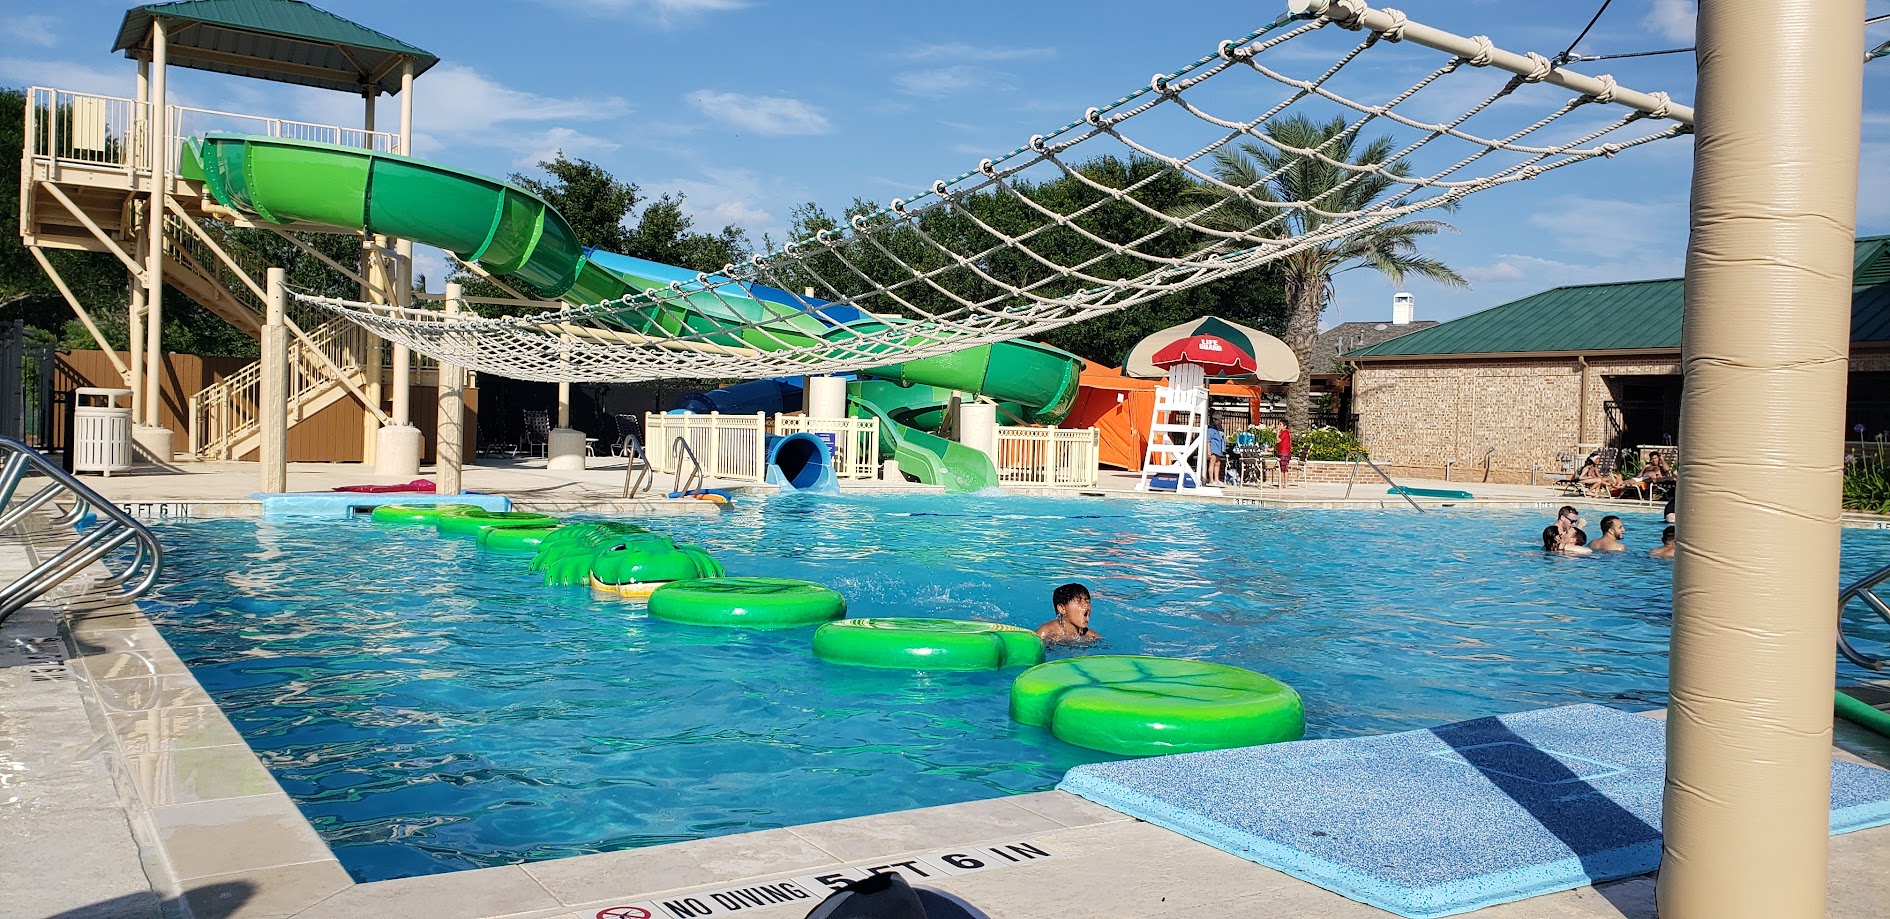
pixel 417 486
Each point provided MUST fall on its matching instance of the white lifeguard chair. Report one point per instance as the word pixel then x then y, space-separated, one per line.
pixel 1177 433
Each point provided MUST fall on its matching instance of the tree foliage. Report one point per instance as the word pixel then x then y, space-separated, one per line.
pixel 1273 176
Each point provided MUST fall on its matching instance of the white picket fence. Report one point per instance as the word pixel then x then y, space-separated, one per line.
pixel 729 447
pixel 855 442
pixel 1048 456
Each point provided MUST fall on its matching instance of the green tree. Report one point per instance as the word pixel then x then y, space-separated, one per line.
pixel 1270 175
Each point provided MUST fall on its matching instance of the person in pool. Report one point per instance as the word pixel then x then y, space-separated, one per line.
pixel 1612 529
pixel 1665 549
pixel 1071 627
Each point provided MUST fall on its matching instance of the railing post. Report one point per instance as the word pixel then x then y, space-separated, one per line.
pixel 273 418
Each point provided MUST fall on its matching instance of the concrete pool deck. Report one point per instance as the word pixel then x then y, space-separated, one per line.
pixel 126 792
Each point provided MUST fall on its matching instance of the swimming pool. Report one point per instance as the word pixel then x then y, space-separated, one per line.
pixel 431 707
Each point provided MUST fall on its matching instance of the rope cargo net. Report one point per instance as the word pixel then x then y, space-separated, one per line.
pixel 1041 237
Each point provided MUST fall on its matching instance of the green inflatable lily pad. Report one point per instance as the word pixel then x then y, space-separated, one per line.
pixel 754 603
pixel 927 644
pixel 1147 706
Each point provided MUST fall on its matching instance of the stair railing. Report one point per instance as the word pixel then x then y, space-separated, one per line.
pixel 114 528
pixel 637 470
pixel 229 410
pixel 1357 457
pixel 1863 590
pixel 678 449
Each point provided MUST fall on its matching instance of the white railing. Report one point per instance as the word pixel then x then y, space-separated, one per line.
pixel 1048 456
pixel 729 447
pixel 854 441
pixel 196 122
pixel 100 132
pixel 225 413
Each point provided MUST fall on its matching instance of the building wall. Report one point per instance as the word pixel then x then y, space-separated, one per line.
pixel 1522 412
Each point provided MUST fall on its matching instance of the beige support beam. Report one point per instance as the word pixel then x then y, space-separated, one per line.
pixel 450 431
pixel 274 420
pixel 1765 343
pixel 321 256
pixel 217 249
pixel 78 309
pixel 134 318
pixel 403 271
pixel 156 442
pixel 131 264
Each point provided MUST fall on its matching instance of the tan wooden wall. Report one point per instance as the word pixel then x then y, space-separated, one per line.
pixel 332 435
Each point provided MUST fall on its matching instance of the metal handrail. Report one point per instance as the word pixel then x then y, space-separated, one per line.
pixel 1863 589
pixel 630 457
pixel 115 529
pixel 678 449
pixel 1356 457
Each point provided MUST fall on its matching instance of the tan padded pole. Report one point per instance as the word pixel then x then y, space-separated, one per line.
pixel 1765 343
pixel 274 423
pixel 403 294
pixel 154 231
pixel 450 431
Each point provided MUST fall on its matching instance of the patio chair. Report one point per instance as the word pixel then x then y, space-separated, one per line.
pixel 629 430
pixel 536 438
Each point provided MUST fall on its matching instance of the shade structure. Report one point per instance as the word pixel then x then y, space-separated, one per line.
pixel 1221 358
pixel 1273 360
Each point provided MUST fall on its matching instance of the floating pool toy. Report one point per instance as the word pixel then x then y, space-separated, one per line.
pixel 469 523
pixel 1146 706
pixel 753 603
pixel 515 537
pixel 419 513
pixel 927 644
pixel 1450 493
pixel 711 495
pixel 417 486
pixel 640 564
pixel 565 555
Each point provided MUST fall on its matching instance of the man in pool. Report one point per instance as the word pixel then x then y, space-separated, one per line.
pixel 1071 627
pixel 1612 529
pixel 1665 549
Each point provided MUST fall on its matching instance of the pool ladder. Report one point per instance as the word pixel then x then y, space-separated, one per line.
pixel 1862 590
pixel 110 529
pixel 1357 457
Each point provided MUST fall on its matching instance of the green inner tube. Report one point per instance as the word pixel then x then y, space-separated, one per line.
pixel 419 513
pixel 514 537
pixel 1146 706
pixel 927 644
pixel 472 521
pixel 754 603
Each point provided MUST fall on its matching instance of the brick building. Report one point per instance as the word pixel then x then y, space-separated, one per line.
pixel 1527 384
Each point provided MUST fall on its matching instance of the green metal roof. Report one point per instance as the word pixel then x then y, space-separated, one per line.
pixel 1629 316
pixel 283 40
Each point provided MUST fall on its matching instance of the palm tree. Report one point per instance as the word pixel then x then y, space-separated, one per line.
pixel 1267 174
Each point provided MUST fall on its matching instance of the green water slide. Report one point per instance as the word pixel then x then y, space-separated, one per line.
pixel 514 234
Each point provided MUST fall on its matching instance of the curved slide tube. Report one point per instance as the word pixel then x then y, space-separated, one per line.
pixel 512 233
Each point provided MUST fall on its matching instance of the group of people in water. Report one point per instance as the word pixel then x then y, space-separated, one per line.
pixel 1566 537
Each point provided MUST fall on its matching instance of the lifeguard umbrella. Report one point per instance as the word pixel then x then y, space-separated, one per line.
pixel 1273 360
pixel 1220 357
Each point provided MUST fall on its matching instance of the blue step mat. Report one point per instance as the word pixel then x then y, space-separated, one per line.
pixel 1439 822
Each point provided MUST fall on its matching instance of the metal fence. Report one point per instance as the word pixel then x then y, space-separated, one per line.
pixel 1048 456
pixel 730 447
pixel 854 441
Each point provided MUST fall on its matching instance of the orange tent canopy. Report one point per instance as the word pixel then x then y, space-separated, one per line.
pixel 1120 408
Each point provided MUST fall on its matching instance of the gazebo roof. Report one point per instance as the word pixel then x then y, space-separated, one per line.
pixel 287 41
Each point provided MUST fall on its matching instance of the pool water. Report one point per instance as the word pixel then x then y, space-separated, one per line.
pixel 433 707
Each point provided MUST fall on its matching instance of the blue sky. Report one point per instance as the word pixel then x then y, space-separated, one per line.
pixel 752 106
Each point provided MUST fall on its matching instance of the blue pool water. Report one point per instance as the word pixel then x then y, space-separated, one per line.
pixel 432 707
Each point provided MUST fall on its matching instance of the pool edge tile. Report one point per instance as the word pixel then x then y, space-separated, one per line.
pixel 580 879
pixel 501 891
pixel 897 832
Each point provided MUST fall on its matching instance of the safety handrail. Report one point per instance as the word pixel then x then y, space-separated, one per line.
pixel 631 457
pixel 115 529
pixel 1356 457
pixel 1862 589
pixel 678 449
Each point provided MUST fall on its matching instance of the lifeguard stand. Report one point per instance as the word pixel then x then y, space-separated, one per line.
pixel 1177 433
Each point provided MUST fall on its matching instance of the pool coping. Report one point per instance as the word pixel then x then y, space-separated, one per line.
pixel 217 836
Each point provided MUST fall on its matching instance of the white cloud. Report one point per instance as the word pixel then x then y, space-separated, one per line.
pixel 35 30
pixel 960 51
pixel 659 12
pixel 720 197
pixel 1607 228
pixel 773 116
pixel 546 145
pixel 1672 19
pixel 940 82
pixel 19 71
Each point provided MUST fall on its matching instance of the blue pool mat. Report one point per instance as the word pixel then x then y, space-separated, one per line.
pixel 1439 822
pixel 345 503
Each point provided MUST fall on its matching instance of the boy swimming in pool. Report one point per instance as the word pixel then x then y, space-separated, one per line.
pixel 1072 623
